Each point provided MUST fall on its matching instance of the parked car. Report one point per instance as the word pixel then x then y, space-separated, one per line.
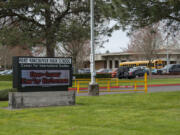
pixel 162 70
pixel 122 72
pixel 154 71
pixel 6 72
pixel 84 71
pixel 136 72
pixel 114 72
pixel 146 69
pixel 9 72
pixel 103 71
pixel 175 68
pixel 2 72
pixel 171 68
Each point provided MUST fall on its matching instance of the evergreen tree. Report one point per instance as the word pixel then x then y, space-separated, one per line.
pixel 140 13
pixel 43 21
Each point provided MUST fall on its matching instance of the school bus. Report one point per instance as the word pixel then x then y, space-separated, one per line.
pixel 154 64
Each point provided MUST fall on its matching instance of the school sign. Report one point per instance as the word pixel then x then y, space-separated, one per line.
pixel 42 73
pixel 41 81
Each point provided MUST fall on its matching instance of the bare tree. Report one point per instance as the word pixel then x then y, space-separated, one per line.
pixel 4 56
pixel 7 52
pixel 145 42
pixel 78 50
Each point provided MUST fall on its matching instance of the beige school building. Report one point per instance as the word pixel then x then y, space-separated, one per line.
pixel 112 60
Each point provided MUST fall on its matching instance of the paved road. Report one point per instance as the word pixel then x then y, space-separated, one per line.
pixel 164 88
pixel 150 89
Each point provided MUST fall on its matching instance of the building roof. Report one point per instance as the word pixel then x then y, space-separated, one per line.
pixel 101 57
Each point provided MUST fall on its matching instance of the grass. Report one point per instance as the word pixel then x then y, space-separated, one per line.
pixel 5 85
pixel 165 81
pixel 120 114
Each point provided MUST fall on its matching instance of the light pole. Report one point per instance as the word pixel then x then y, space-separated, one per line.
pixel 92 65
pixel 167 55
pixel 93 89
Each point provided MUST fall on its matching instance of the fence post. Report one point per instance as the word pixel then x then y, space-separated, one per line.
pixel 75 85
pixel 117 84
pixel 78 87
pixel 108 86
pixel 145 83
pixel 135 86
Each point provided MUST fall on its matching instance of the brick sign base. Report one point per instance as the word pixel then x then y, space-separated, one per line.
pixel 41 99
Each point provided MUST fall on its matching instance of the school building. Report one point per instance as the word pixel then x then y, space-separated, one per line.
pixel 112 60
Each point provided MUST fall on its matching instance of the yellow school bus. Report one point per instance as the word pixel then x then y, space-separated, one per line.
pixel 155 64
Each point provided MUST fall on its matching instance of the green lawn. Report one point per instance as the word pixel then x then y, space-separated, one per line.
pixel 120 114
pixel 5 85
pixel 165 81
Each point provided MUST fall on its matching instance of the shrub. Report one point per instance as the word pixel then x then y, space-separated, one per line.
pixel 103 75
pixel 5 77
pixel 4 94
pixel 79 76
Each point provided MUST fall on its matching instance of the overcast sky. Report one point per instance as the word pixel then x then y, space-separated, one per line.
pixel 117 41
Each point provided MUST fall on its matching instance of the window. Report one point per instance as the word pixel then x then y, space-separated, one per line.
pixel 176 66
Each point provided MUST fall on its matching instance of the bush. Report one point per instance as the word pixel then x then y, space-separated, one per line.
pixel 80 76
pixel 103 75
pixel 4 94
pixel 5 77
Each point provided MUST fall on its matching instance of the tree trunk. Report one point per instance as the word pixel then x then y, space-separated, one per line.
pixel 50 50
pixel 150 73
pixel 50 34
pixel 150 70
pixel 75 69
pixel 50 43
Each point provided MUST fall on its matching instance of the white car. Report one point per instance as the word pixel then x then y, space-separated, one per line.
pixel 2 72
pixel 6 72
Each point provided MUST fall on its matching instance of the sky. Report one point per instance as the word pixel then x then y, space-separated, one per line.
pixel 117 41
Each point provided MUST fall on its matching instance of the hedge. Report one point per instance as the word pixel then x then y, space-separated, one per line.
pixel 77 76
pixel 4 94
pixel 5 77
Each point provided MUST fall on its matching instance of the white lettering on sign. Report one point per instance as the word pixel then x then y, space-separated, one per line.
pixel 45 60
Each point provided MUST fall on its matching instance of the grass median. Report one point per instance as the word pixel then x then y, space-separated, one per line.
pixel 120 114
